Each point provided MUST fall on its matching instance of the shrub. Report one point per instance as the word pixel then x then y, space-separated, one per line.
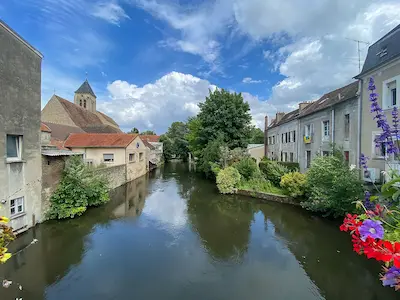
pixel 273 171
pixel 332 186
pixel 259 185
pixel 291 166
pixel 78 189
pixel 247 167
pixel 210 155
pixel 294 183
pixel 227 180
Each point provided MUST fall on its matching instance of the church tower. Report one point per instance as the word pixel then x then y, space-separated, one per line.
pixel 85 97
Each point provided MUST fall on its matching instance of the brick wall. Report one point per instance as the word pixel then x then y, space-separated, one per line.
pixel 115 175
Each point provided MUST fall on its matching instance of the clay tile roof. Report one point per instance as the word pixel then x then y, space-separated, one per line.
pixel 59 144
pixel 329 99
pixel 85 88
pixel 94 140
pixel 61 132
pixel 44 127
pixel 150 138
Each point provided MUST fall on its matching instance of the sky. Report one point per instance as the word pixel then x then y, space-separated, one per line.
pixel 150 62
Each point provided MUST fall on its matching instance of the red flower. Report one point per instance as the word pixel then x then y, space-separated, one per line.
pixel 391 252
pixel 350 223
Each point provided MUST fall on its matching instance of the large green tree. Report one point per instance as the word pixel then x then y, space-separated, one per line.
pixel 175 142
pixel 224 114
pixel 134 130
pixel 148 132
pixel 256 136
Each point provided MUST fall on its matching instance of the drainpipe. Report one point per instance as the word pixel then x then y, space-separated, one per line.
pixel 359 128
pixel 333 126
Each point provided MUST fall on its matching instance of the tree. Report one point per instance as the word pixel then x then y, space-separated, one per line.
pixel 134 130
pixel 256 136
pixel 193 136
pixel 167 147
pixel 224 114
pixel 148 132
pixel 175 142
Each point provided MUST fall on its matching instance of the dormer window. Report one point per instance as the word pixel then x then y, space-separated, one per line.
pixel 383 52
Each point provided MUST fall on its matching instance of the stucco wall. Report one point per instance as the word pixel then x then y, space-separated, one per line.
pixel 138 167
pixel 90 101
pixel 115 175
pixel 368 125
pixel 45 138
pixel 96 154
pixel 20 82
pixel 54 112
pixel 278 147
pixel 52 169
pixel 257 153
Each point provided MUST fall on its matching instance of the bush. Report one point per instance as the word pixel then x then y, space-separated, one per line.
pixel 227 180
pixel 259 185
pixel 247 167
pixel 210 156
pixel 294 183
pixel 273 171
pixel 78 189
pixel 291 166
pixel 332 186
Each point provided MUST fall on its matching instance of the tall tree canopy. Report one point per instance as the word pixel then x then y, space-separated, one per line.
pixel 175 142
pixel 148 132
pixel 256 136
pixel 134 130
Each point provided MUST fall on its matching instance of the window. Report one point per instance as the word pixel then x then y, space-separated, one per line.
pixel 286 156
pixel 346 156
pixel 286 137
pixel 272 155
pixel 273 140
pixel 291 156
pixel 132 157
pixel 84 103
pixel 347 126
pixel 290 136
pixel 379 147
pixel 282 138
pixel 16 206
pixel 269 140
pixel 141 156
pixel 14 145
pixel 308 158
pixel 281 156
pixel 325 153
pixel 307 130
pixel 80 102
pixel 325 130
pixel 108 158
pixel 393 97
pixel 294 136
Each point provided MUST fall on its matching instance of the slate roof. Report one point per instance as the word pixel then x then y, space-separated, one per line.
pixel 332 98
pixel 61 132
pixel 44 127
pixel 286 118
pixel 107 118
pixel 99 140
pixel 86 119
pixel 150 138
pixel 85 88
pixel 390 42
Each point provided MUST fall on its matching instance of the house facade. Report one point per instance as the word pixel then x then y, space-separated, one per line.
pixel 383 64
pixel 156 153
pixel 111 150
pixel 20 168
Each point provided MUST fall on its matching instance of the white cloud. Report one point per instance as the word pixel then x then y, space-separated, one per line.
pixel 173 97
pixel 109 11
pixel 250 80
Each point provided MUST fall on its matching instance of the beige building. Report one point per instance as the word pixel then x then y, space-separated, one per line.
pixel 112 150
pixel 81 114
pixel 383 65
pixel 256 151
pixel 156 148
pixel 20 166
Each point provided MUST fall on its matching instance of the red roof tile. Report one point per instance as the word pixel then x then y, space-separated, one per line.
pixel 59 144
pixel 150 138
pixel 44 127
pixel 94 140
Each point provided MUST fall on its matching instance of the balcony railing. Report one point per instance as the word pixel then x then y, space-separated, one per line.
pixel 307 139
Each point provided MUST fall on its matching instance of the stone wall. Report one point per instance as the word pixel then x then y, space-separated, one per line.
pixel 115 175
pixel 268 197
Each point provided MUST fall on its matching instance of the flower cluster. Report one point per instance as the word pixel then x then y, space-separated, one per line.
pixel 6 236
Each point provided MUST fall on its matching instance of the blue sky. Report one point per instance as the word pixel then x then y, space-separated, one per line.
pixel 151 62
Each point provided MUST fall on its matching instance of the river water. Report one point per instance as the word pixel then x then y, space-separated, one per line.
pixel 170 235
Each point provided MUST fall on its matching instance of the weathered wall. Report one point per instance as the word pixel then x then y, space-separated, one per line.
pixel 138 167
pixel 257 153
pixel 96 154
pixel 368 125
pixel 90 101
pixel 20 81
pixel 115 175
pixel 279 147
pixel 54 112
pixel 52 169
pixel 157 153
pixel 45 138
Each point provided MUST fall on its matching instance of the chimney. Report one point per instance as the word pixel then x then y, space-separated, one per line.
pixel 279 116
pixel 266 137
pixel 303 105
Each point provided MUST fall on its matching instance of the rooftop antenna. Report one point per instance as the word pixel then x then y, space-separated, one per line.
pixel 54 91
pixel 86 75
pixel 359 50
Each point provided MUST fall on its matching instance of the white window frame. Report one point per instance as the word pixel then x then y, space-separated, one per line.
pixel 325 130
pixel 387 86
pixel 307 130
pixel 18 202
pixel 19 144
pixel 109 162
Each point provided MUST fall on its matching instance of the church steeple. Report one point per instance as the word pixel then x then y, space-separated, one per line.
pixel 85 97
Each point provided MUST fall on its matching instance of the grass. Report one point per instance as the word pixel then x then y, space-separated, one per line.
pixel 260 185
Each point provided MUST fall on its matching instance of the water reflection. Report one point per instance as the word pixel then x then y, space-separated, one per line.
pixel 170 235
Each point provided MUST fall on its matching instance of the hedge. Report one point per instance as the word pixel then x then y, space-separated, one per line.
pixel 292 166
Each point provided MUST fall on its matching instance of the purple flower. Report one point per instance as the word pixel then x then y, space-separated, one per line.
pixel 363 164
pixel 367 202
pixel 371 228
pixel 391 277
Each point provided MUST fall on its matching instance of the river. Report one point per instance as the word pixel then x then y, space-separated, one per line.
pixel 170 235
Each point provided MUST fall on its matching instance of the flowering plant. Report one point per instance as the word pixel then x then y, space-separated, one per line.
pixel 376 232
pixel 6 236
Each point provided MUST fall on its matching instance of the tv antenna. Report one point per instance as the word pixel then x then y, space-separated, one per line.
pixel 359 50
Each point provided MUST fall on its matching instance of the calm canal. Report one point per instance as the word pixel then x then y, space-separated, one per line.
pixel 170 235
